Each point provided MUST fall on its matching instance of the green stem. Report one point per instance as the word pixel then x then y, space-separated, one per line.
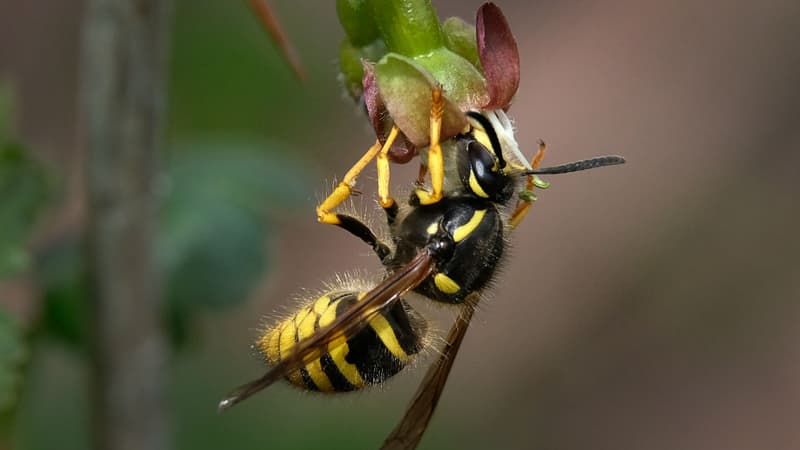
pixel 409 27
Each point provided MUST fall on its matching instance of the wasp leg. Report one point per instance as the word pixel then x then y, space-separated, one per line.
pixel 383 170
pixel 344 189
pixel 524 205
pixel 435 157
pixel 391 213
pixel 360 230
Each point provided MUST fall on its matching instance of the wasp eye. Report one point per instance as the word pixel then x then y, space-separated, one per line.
pixel 482 175
pixel 481 159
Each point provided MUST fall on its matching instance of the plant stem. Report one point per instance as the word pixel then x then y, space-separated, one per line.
pixel 123 93
pixel 409 27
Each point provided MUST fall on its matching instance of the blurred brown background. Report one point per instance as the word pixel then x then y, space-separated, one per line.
pixel 651 306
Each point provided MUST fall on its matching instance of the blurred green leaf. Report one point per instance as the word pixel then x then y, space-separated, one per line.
pixel 60 271
pixel 55 398
pixel 213 240
pixel 217 199
pixel 459 37
pixel 23 188
pixel 12 357
pixel 247 172
pixel 213 254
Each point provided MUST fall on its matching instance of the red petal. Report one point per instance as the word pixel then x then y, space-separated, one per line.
pixel 499 55
pixel 402 150
pixel 372 98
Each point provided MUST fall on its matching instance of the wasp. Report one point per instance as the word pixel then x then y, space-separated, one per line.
pixel 444 246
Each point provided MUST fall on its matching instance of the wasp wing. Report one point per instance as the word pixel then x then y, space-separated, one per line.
pixel 409 431
pixel 347 325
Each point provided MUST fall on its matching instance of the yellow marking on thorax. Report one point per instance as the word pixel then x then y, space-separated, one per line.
pixel 432 228
pixel 465 230
pixel 445 284
pixel 286 342
pixel 338 349
pixel 306 320
pixel 475 187
pixel 386 333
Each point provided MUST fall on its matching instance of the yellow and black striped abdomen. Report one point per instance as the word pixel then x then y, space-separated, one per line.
pixel 377 352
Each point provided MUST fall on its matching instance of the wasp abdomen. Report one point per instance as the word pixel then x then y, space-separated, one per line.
pixel 377 352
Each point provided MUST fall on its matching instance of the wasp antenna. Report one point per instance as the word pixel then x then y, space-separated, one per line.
pixel 576 166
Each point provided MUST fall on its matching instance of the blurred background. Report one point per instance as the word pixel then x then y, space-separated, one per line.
pixel 653 305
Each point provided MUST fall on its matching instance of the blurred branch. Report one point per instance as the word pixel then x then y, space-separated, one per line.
pixel 123 75
pixel 273 26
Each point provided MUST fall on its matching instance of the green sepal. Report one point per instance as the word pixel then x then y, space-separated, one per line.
pixel 459 37
pixel 406 88
pixel 462 83
pixel 350 63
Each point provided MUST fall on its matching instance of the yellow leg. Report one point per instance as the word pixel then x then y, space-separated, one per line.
pixel 435 157
pixel 345 188
pixel 524 205
pixel 383 170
